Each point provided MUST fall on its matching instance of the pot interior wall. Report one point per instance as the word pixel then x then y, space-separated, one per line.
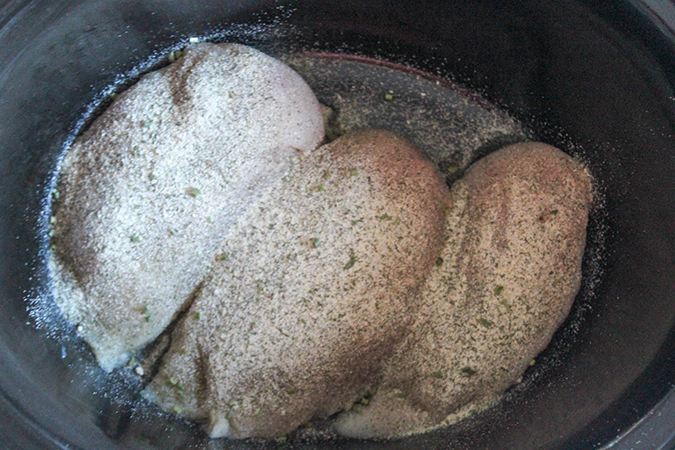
pixel 595 80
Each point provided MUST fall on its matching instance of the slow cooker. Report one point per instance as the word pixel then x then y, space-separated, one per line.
pixel 595 78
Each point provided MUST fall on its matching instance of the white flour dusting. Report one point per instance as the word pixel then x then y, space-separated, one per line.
pixel 505 281
pixel 311 293
pixel 148 192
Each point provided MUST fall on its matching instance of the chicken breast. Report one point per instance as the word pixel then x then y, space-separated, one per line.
pixel 312 291
pixel 505 281
pixel 148 192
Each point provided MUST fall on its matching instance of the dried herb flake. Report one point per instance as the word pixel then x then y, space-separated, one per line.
pixel 192 191
pixel 486 323
pixel 350 263
pixel 468 371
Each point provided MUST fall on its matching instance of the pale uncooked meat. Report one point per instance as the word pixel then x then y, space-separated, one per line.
pixel 312 292
pixel 150 189
pixel 508 276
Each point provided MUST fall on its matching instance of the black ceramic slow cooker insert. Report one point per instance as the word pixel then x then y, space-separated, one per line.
pixel 595 78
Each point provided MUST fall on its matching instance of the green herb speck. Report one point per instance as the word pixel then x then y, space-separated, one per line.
pixel 56 194
pixel 209 219
pixel 198 315
pixel 399 395
pixel 135 239
pixel 192 191
pixel 259 414
pixel 177 409
pixel 554 212
pixel 499 289
pixel 175 55
pixel 50 233
pixel 152 177
pixel 181 387
pixel 183 351
pixel 365 401
pixel 52 248
pixel 52 220
pixel 302 320
pixel 292 390
pixel 350 263
pixel 486 323
pixel 452 169
pixel 438 374
pixel 282 439
pixel 533 362
pixel 439 262
pixel 172 381
pixel 224 256
pixel 389 96
pixel 354 172
pixel 468 371
pixel 321 188
pixel 173 231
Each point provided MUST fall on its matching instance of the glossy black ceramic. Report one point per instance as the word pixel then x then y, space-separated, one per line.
pixel 595 78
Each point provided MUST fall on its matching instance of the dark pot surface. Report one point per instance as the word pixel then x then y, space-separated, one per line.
pixel 594 78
